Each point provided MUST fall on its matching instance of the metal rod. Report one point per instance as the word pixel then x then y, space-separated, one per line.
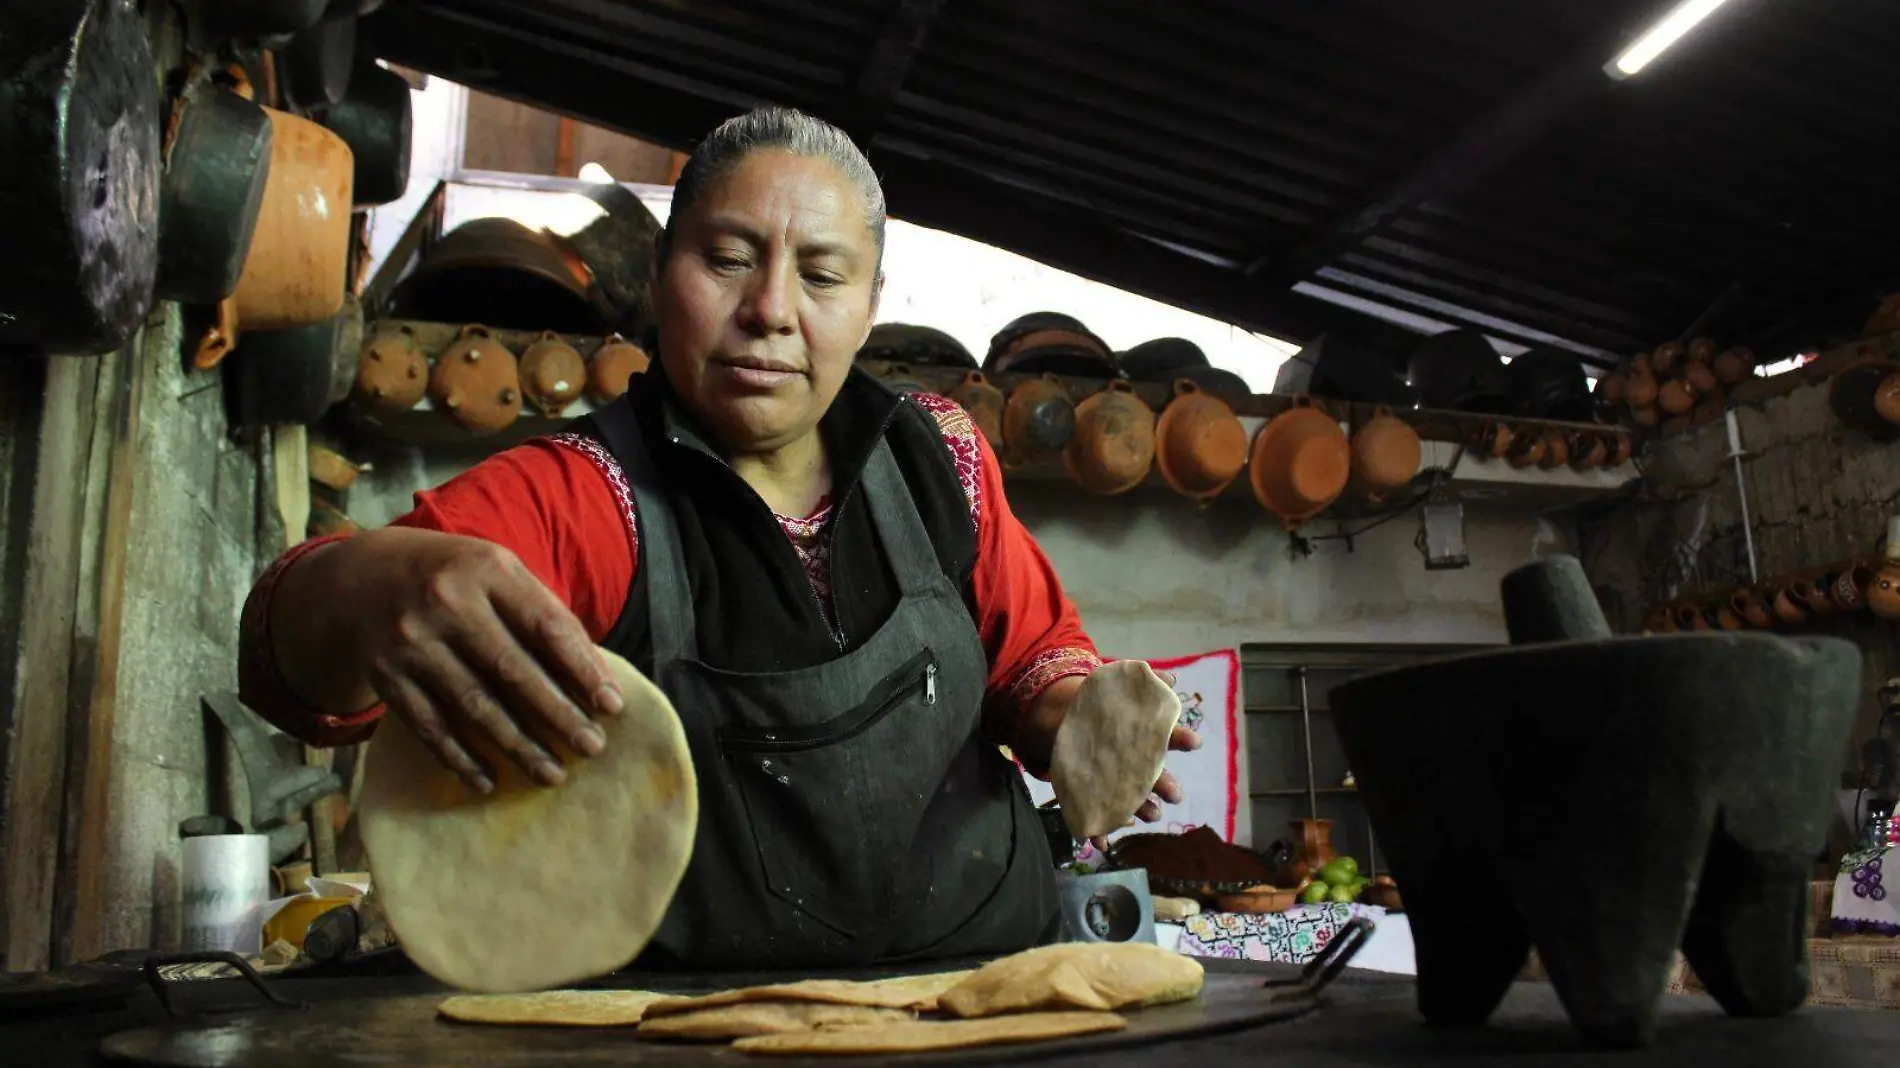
pixel 1735 455
pixel 1306 737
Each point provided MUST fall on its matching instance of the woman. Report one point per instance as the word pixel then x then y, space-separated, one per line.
pixel 844 677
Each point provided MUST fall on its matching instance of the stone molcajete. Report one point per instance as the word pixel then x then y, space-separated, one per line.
pixel 1606 800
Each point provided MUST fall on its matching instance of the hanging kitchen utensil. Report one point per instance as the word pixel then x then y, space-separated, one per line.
pixel 1726 618
pixel 476 382
pixel 1167 360
pixel 295 272
pixel 1646 415
pixel 1816 594
pixel 984 402
pixel 1887 399
pixel 1494 440
pixel 1734 366
pixel 1200 445
pixel 613 366
pixel 314 67
pixel 1556 450
pixel 1676 397
pixel 552 374
pixel 1114 442
pixel 1527 449
pixel 1753 608
pixel 1619 450
pixel 497 270
pixel 375 119
pixel 1691 617
pixel 617 251
pixel 1787 608
pixel 1038 421
pixel 294 375
pixel 1588 451
pixel 217 159
pixel 79 174
pixel 1385 455
pixel 901 378
pixel 1300 462
pixel 1883 593
pixel 257 18
pixel 1700 376
pixel 1612 388
pixel 391 372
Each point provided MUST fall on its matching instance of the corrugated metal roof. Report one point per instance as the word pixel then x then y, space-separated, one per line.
pixel 1465 160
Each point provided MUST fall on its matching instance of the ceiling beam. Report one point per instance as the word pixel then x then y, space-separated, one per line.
pixel 861 111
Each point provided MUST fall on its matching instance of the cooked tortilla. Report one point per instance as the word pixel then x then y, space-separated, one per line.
pixel 917 992
pixel 533 887
pixel 923 1035
pixel 552 1008
pixel 727 1022
pixel 1101 976
pixel 1111 746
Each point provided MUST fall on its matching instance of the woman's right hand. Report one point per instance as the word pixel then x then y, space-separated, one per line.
pixel 469 648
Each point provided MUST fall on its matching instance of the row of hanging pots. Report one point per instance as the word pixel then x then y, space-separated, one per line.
pixel 1868 584
pixel 1551 448
pixel 1676 386
pixel 480 384
pixel 1865 395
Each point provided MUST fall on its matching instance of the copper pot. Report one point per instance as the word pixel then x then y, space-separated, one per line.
pixel 1114 443
pixel 1734 366
pixel 1676 397
pixel 1301 462
pixel 613 366
pixel 1666 356
pixel 1588 451
pixel 1385 454
pixel 984 402
pixel 1527 449
pixel 1038 420
pixel 1787 608
pixel 476 382
pixel 391 372
pixel 1883 592
pixel 1556 450
pixel 1753 608
pixel 552 374
pixel 1200 445
pixel 1849 588
pixel 1887 398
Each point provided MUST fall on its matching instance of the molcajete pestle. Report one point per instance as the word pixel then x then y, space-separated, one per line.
pixel 1606 800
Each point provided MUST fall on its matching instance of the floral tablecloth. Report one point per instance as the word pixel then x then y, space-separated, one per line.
pixel 1293 937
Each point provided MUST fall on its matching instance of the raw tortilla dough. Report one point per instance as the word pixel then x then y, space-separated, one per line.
pixel 552 1008
pixel 922 1035
pixel 1076 975
pixel 904 992
pixel 533 887
pixel 728 1022
pixel 1111 745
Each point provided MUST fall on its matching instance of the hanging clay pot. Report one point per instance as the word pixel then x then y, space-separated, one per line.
pixel 1665 356
pixel 1690 617
pixel 476 382
pixel 1702 350
pixel 1647 415
pixel 1710 408
pixel 1613 388
pixel 1816 594
pixel 1588 451
pixel 984 402
pixel 1753 608
pixel 552 374
pixel 391 373
pixel 1787 608
pixel 613 366
pixel 333 469
pixel 1726 618
pixel 1038 421
pixel 1494 440
pixel 1527 449
pixel 1200 445
pixel 1734 366
pixel 1676 397
pixel 1849 589
pixel 1385 454
pixel 1887 399
pixel 1883 593
pixel 1641 390
pixel 1619 450
pixel 1701 377
pixel 1556 450
pixel 1301 462
pixel 1114 443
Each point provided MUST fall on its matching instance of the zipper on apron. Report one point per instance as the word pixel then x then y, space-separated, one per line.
pixel 905 681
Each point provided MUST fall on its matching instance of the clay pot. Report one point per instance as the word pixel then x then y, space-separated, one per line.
pixel 295 270
pixel 984 402
pixel 1619 450
pixel 1646 415
pixel 1700 376
pixel 1642 387
pixel 1659 621
pixel 1200 445
pixel 327 519
pixel 552 374
pixel 1734 366
pixel 1315 849
pixel 1883 593
pixel 1787 608
pixel 1702 350
pixel 476 382
pixel 1676 397
pixel 331 468
pixel 1753 608
pixel 1613 388
pixel 1588 451
pixel 1666 356
pixel 1556 450
pixel 1494 440
pixel 614 363
pixel 1038 420
pixel 1726 618
pixel 1689 617
pixel 1852 392
pixel 1887 398
pixel 1816 594
pixel 1385 454
pixel 391 373
pixel 1527 449
pixel 1301 462
pixel 1114 443
pixel 1849 588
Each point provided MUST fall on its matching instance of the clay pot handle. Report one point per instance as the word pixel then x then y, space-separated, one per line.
pixel 1306 400
pixel 975 378
pixel 475 330
pixel 1185 386
pixel 612 339
pixel 1380 411
pixel 1119 386
pixel 548 335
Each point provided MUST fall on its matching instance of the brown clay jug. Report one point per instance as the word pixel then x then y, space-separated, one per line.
pixel 1883 593
pixel 1750 605
pixel 1114 443
pixel 1726 618
pixel 1300 462
pixel 1787 609
pixel 1385 454
pixel 391 373
pixel 1816 594
pixel 552 374
pixel 1702 350
pixel 1849 589
pixel 1200 445
pixel 1659 621
pixel 477 382
pixel 1316 847
pixel 1689 617
pixel 977 396
pixel 1494 440
pixel 1038 421
pixel 615 363
pixel 1527 449
pixel 1619 450
pixel 1700 376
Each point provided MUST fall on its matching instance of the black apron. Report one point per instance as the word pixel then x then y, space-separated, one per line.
pixel 848 812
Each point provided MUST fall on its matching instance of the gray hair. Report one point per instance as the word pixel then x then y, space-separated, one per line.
pixel 786 129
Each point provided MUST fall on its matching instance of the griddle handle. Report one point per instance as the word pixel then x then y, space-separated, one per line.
pixel 162 987
pixel 1323 969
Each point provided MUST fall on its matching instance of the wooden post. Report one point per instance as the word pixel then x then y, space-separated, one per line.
pixel 564 148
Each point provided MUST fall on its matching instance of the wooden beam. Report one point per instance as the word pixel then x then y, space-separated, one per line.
pixel 564 147
pixel 861 110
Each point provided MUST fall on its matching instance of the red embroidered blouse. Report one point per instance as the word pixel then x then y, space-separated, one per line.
pixel 562 505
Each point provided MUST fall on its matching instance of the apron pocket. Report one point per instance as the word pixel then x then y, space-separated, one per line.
pixel 816 795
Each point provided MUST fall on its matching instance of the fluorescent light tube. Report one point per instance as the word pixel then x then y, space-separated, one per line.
pixel 1655 40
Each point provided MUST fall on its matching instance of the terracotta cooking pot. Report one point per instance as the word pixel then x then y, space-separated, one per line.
pixel 1689 617
pixel 476 382
pixel 1300 463
pixel 1887 398
pixel 984 402
pixel 1726 618
pixel 1702 349
pixel 1495 440
pixel 1556 450
pixel 295 270
pixel 1385 454
pixel 1613 387
pixel 1753 609
pixel 1645 415
pixel 1676 397
pixel 391 373
pixel 1734 366
pixel 1588 451
pixel 1619 450
pixel 1666 356
pixel 1038 420
pixel 1527 449
pixel 1787 608
pixel 614 364
pixel 1114 443
pixel 1700 376
pixel 1642 387
pixel 1883 593
pixel 1200 445
pixel 1816 594
pixel 552 374
pixel 1850 586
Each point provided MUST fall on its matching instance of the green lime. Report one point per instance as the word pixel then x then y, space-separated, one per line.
pixel 1342 894
pixel 1340 870
pixel 1315 893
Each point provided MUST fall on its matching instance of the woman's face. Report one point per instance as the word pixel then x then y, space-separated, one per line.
pixel 766 293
